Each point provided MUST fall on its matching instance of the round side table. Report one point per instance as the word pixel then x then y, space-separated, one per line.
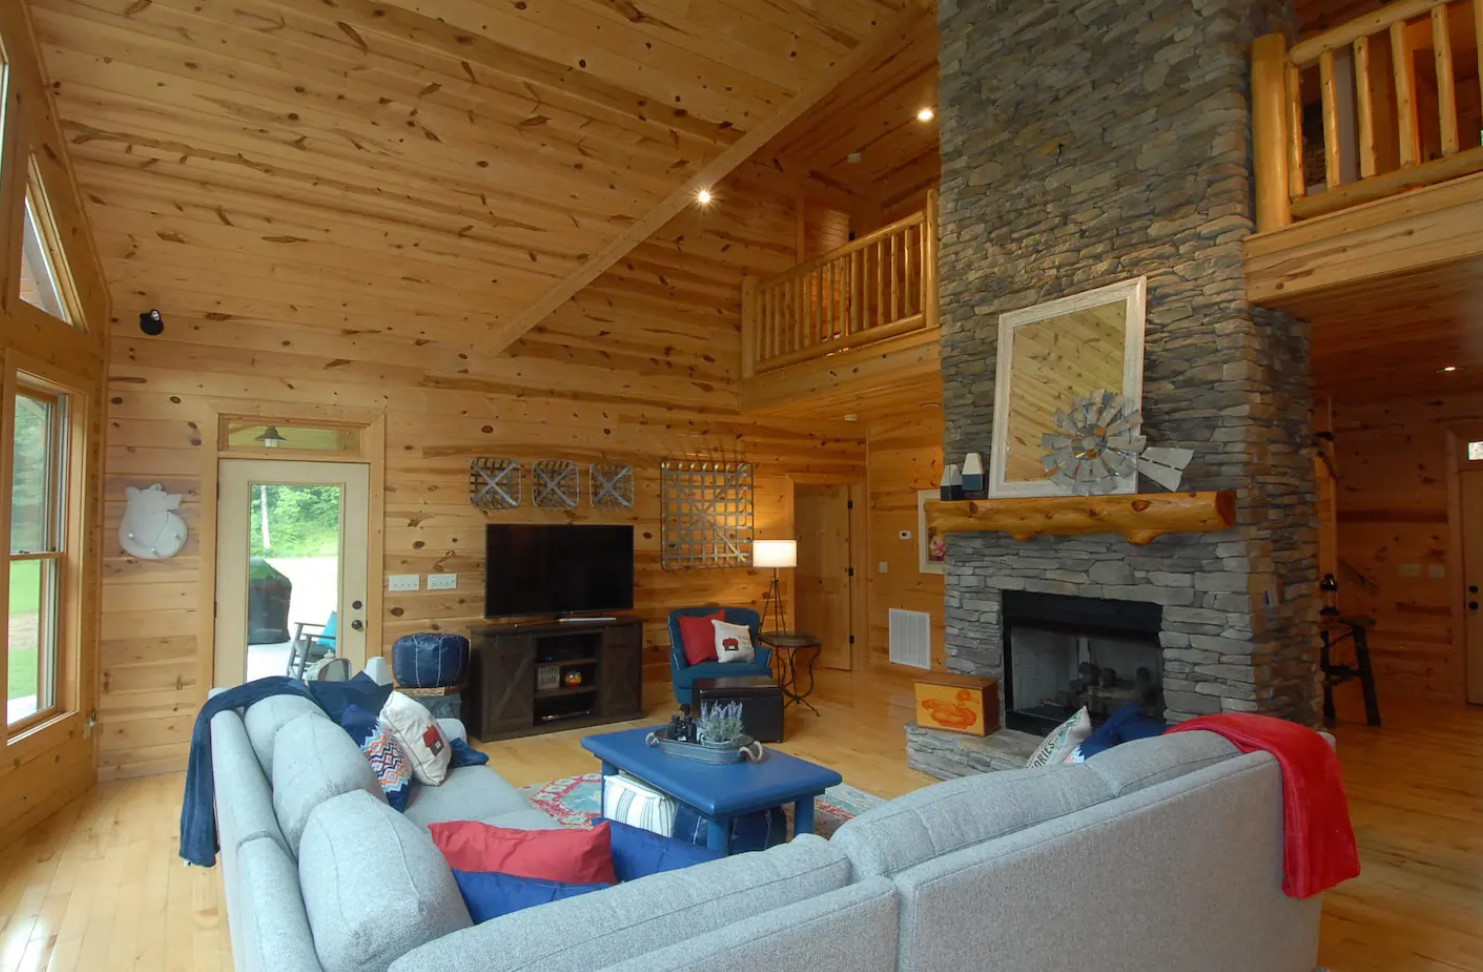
pixel 788 644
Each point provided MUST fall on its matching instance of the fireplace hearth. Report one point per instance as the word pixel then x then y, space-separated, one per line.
pixel 1063 652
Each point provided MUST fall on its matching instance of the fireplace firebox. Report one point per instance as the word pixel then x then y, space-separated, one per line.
pixel 1062 653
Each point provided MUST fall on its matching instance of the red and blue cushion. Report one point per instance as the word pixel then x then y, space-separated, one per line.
pixel 376 741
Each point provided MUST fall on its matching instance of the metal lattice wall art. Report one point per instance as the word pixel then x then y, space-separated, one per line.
pixel 707 514
pixel 555 484
pixel 494 484
pixel 612 485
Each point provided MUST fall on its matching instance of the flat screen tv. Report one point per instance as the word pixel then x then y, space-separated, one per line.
pixel 557 569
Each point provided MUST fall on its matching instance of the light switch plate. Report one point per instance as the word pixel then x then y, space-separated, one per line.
pixel 885 568
pixel 403 582
pixel 442 582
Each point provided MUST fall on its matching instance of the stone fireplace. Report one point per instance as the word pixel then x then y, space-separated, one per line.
pixel 1087 144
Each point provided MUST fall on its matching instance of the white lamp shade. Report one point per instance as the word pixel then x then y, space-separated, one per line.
pixel 775 553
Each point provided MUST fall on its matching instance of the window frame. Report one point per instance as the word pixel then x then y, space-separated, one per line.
pixel 36 210
pixel 68 511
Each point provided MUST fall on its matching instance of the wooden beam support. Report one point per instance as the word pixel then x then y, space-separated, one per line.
pixel 896 31
pixel 1141 517
pixel 1348 32
pixel 1446 87
pixel 1269 131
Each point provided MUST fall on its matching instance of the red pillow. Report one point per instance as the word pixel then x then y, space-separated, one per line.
pixel 698 637
pixel 566 856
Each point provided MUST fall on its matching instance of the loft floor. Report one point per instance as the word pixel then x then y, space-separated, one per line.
pixel 99 887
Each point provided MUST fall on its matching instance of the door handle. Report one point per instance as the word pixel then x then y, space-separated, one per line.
pixel 1472 605
pixel 358 624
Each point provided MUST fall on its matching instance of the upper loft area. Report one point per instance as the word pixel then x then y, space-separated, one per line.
pixel 1369 188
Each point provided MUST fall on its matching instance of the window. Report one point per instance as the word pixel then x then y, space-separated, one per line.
pixel 1475 451
pixel 38 551
pixel 45 283
pixel 239 434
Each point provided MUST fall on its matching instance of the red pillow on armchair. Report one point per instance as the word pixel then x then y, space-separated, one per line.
pixel 698 637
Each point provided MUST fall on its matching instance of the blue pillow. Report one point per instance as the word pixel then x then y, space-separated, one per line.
pixel 490 894
pixel 362 690
pixel 1124 725
pixel 465 755
pixel 638 853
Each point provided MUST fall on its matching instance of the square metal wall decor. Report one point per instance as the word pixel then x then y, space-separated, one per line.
pixel 494 484
pixel 555 484
pixel 611 485
pixel 706 514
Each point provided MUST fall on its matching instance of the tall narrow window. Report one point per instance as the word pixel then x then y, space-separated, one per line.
pixel 45 283
pixel 38 550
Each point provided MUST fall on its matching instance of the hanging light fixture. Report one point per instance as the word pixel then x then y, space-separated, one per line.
pixel 271 439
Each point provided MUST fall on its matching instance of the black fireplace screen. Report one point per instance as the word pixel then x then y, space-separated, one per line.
pixel 1062 653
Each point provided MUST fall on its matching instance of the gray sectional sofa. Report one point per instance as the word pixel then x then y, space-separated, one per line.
pixel 1161 854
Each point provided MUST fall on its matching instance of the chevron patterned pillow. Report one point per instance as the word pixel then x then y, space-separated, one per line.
pixel 379 745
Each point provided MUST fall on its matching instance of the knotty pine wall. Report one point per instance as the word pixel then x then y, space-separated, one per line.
pixel 904 455
pixel 640 366
pixel 1394 531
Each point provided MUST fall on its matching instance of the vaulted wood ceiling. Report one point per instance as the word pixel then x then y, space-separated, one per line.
pixel 477 153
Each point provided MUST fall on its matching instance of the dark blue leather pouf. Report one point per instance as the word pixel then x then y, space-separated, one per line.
pixel 429 659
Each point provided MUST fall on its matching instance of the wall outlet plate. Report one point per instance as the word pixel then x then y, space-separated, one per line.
pixel 884 567
pixel 903 535
pixel 442 582
pixel 403 582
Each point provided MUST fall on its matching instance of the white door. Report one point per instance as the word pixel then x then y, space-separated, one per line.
pixel 291 561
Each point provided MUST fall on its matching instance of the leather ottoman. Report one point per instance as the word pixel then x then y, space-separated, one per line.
pixel 761 701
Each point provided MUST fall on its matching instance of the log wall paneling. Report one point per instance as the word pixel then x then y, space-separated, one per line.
pixel 43 769
pixel 905 455
pixel 1395 538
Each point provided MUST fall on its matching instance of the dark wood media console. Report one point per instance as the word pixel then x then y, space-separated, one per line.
pixel 512 666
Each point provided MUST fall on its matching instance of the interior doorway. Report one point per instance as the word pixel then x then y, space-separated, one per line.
pixel 1470 497
pixel 292 554
pixel 824 598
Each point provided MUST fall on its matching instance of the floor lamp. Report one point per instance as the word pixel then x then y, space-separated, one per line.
pixel 775 554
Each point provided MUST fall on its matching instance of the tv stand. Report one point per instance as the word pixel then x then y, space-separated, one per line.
pixel 518 681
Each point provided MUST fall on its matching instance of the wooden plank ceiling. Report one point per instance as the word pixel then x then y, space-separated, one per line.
pixel 477 152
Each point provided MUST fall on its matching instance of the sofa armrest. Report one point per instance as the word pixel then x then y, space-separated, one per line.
pixel 377 668
pixel 453 729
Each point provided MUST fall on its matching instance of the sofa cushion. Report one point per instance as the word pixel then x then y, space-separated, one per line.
pixel 374 886
pixel 264 719
pixel 638 853
pixel 568 856
pixel 244 800
pixel 594 931
pixel 274 930
pixel 959 813
pixel 469 793
pixel 314 760
pixel 1144 762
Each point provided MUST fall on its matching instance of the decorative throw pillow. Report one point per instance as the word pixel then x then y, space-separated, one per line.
pixel 1062 741
pixel 418 737
pixel 567 856
pixel 698 638
pixel 489 894
pixel 733 642
pixel 362 690
pixel 638 853
pixel 377 741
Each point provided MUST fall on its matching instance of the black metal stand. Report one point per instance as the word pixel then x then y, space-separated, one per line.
pixel 774 596
pixel 1334 674
pixel 788 644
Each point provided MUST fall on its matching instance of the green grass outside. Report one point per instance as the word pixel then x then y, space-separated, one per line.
pixel 25 599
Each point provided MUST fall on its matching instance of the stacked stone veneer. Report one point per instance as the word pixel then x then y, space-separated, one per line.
pixel 1088 143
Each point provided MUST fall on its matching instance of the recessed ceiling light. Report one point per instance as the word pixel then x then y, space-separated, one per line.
pixel 853 158
pixel 703 197
pixel 926 114
pixel 1448 368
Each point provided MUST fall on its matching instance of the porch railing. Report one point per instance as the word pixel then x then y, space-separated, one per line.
pixel 879 286
pixel 1382 125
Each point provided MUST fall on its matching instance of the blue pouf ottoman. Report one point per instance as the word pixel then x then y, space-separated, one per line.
pixel 429 659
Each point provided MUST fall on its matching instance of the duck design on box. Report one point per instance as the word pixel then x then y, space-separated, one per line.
pixel 952 715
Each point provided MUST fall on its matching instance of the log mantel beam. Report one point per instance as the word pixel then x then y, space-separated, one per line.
pixel 1140 517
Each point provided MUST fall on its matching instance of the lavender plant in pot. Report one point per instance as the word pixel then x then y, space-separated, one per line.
pixel 720 726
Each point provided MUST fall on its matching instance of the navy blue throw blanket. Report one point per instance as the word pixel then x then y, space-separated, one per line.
pixel 198 809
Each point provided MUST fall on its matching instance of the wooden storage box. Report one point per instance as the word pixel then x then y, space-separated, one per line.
pixel 958 703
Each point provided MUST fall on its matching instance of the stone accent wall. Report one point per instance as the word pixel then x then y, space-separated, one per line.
pixel 1088 143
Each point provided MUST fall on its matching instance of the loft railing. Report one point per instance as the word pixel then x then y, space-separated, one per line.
pixel 1382 124
pixel 879 286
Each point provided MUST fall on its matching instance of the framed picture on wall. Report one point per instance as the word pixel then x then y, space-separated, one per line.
pixel 931 545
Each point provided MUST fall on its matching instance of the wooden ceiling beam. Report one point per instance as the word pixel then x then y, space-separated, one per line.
pixel 898 30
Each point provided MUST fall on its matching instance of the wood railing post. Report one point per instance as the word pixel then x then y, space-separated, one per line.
pixel 930 306
pixel 1269 134
pixel 1364 107
pixel 1446 85
pixel 749 327
pixel 1405 99
pixel 1333 151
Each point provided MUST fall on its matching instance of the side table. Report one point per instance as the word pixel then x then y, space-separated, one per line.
pixel 788 644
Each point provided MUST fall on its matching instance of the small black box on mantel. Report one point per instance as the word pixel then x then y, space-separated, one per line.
pixel 761 700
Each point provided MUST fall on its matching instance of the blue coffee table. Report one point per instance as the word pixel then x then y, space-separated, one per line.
pixel 717 793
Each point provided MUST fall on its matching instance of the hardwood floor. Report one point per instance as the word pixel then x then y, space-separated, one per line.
pixel 99 887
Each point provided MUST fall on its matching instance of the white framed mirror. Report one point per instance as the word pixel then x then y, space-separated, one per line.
pixel 1049 355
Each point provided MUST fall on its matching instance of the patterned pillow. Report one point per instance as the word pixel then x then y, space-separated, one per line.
pixel 733 642
pixel 1062 741
pixel 377 741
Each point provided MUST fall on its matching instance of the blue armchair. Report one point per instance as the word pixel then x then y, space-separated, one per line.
pixel 685 673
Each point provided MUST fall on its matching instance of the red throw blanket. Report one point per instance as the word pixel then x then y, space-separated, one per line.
pixel 1318 849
